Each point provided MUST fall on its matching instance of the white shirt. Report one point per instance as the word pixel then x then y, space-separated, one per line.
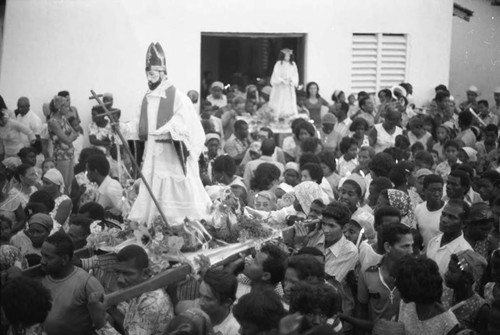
pixel 340 258
pixel 428 222
pixel 33 122
pixel 441 254
pixel 111 195
pixel 227 327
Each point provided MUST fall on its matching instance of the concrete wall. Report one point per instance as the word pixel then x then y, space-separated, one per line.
pixel 78 45
pixel 475 50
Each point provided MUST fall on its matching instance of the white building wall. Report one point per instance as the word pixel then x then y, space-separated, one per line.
pixel 78 45
pixel 475 50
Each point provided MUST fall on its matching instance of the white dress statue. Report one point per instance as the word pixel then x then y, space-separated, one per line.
pixel 284 80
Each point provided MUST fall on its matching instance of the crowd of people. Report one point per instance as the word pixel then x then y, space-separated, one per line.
pixel 395 213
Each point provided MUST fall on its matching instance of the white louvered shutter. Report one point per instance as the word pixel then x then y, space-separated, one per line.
pixel 378 61
pixel 393 55
pixel 364 63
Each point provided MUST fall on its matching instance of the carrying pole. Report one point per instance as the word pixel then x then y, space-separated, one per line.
pixel 129 153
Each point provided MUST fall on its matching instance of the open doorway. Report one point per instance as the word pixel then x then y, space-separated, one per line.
pixel 244 58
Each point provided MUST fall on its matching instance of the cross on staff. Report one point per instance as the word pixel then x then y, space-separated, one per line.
pixel 129 153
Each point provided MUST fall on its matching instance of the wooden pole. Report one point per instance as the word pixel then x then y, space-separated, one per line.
pixel 132 159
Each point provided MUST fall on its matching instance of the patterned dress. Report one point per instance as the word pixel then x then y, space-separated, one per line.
pixel 62 151
pixel 466 311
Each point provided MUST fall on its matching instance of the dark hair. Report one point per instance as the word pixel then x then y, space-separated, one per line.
pixel 460 204
pixel 25 151
pixel 306 266
pixel 402 142
pixel 87 152
pixel 308 157
pixel 315 171
pixel 225 164
pixel 432 179
pixel 275 263
pixel 63 244
pixel 268 146
pixel 83 222
pixel 451 143
pixel 344 107
pixel 491 127
pixel 296 123
pixel 310 144
pixel 264 175
pixel 42 197
pixel 346 143
pixel 418 280
pixel 25 302
pixel 98 163
pixel 362 94
pixel 21 171
pixel 425 157
pixel 270 133
pixel 304 126
pixel 311 251
pixel 464 177
pixel 418 239
pixel 357 122
pixel 63 94
pixel 400 172
pixel 338 211
pixel 465 118
pixel 391 233
pixel 262 308
pixel 381 164
pixel 95 210
pixel 309 85
pixel 362 101
pixel 466 168
pixel 239 124
pixel 222 283
pixel 417 147
pixel 136 254
pixel 441 95
pixel 383 212
pixel 483 102
pixel 327 157
pixel 440 87
pixel 307 298
pixel 492 176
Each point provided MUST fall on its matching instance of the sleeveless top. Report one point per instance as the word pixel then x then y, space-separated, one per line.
pixel 62 151
pixel 440 324
pixel 384 139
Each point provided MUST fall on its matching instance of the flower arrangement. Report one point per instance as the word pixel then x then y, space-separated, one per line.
pixel 102 235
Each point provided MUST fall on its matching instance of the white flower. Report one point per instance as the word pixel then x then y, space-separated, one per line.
pixel 95 227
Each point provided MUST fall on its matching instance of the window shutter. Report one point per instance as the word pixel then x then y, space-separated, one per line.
pixel 392 69
pixel 378 61
pixel 364 63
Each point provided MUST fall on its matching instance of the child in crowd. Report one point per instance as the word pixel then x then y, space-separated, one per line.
pixel 443 134
pixel 47 165
pixel 348 161
pixel 417 131
pixel 5 229
pixel 451 148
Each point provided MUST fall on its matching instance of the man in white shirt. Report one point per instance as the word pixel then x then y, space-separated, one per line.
pixel 28 119
pixel 110 192
pixel 452 240
pixel 428 213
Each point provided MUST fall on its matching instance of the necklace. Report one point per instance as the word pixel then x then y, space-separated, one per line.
pixel 391 292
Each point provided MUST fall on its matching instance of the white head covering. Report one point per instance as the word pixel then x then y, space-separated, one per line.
pixel 56 177
pixel 306 192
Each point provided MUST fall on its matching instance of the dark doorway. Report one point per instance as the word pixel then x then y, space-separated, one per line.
pixel 243 59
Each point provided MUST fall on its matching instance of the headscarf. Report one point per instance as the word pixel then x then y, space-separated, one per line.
pixel 43 220
pixel 356 178
pixel 473 263
pixel 365 221
pixel 56 177
pixel 402 201
pixel 212 136
pixel 306 192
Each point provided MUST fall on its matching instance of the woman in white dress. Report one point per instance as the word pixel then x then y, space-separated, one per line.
pixel 284 80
